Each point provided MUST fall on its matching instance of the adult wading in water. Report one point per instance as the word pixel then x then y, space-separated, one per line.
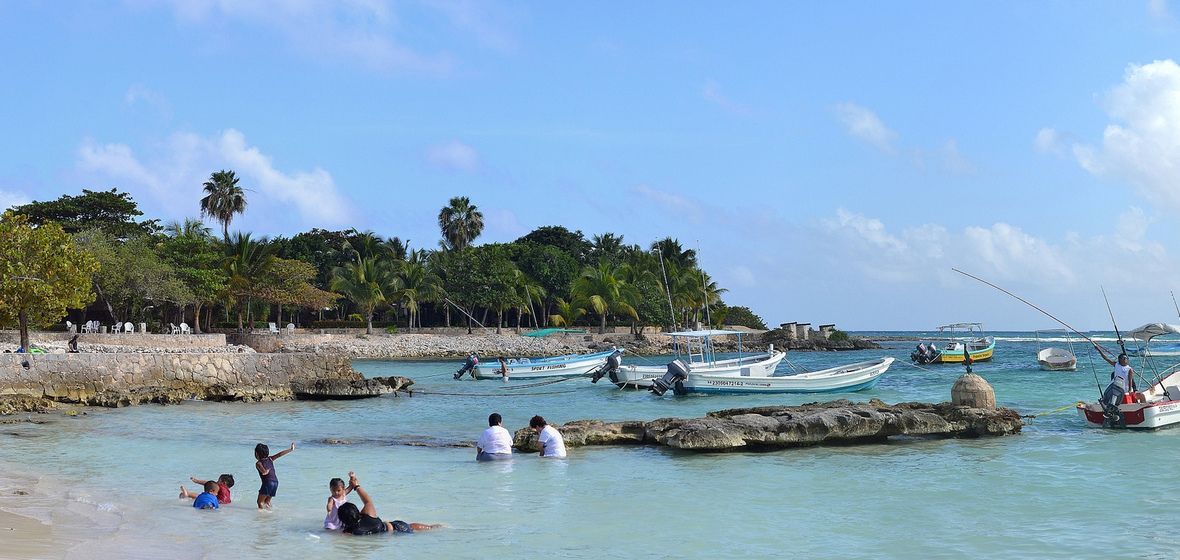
pixel 1122 382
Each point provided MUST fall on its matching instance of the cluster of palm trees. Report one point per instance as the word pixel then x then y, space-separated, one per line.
pixel 384 273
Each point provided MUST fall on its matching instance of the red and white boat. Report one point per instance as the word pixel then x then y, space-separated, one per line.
pixel 1156 407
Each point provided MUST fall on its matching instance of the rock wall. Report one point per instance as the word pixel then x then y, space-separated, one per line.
pixel 125 339
pixel 132 378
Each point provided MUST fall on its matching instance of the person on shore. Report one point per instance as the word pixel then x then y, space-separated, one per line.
pixel 223 482
pixel 72 345
pixel 1122 380
pixel 338 498
pixel 548 438
pixel 495 443
pixel 503 371
pixel 364 521
pixel 266 471
pixel 208 498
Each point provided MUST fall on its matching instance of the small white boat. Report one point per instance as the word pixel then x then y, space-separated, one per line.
pixel 1056 359
pixel 1157 407
pixel 848 378
pixel 695 348
pixel 574 365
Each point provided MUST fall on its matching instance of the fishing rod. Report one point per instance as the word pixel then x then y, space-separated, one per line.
pixel 1050 315
pixel 1122 345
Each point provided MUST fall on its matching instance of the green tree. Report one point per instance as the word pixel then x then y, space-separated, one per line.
pixel 554 269
pixel 572 242
pixel 133 275
pixel 608 247
pixel 603 293
pixel 289 282
pixel 195 256
pixel 461 222
pixel 41 274
pixel 480 277
pixel 671 250
pixel 245 264
pixel 740 315
pixel 367 283
pixel 565 314
pixel 223 198
pixel 418 284
pixel 111 211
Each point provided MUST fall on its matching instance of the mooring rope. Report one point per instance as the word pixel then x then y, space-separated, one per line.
pixel 929 370
pixel 1054 410
pixel 492 394
pixel 515 387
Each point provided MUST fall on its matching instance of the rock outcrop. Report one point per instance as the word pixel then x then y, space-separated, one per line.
pixel 346 389
pixel 837 422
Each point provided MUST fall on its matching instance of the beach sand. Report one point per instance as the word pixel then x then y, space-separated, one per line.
pixel 26 538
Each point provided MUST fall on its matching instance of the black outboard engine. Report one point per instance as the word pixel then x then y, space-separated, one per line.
pixel 918 354
pixel 677 373
pixel 611 367
pixel 472 361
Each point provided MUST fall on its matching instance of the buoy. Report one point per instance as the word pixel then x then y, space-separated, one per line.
pixel 973 391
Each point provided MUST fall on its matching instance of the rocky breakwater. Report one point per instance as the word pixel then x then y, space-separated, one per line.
pixel 124 379
pixel 839 422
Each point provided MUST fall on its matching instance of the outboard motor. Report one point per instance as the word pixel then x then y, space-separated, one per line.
pixel 611 367
pixel 469 365
pixel 677 373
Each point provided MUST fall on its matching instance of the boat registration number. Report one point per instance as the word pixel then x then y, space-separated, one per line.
pixel 543 368
pixel 1169 407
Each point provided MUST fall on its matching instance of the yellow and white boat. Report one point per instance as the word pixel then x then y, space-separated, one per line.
pixel 960 339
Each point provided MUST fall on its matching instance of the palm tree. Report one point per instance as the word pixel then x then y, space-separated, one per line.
pixel 246 262
pixel 364 245
pixel 528 292
pixel 607 245
pixel 461 222
pixel 191 227
pixel 223 198
pixel 670 249
pixel 417 284
pixel 566 314
pixel 603 293
pixel 367 282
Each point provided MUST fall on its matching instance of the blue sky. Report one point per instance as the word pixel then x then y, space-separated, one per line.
pixel 835 160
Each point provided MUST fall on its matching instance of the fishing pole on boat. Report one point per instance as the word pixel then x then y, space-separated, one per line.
pixel 1122 345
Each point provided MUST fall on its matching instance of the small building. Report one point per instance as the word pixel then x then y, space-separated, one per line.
pixel 826 330
pixel 801 331
pixel 789 328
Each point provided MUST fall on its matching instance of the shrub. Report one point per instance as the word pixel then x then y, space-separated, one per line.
pixel 355 317
pixel 838 336
pixel 391 329
pixel 742 316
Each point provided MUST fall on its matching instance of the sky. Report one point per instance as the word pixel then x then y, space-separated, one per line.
pixel 833 161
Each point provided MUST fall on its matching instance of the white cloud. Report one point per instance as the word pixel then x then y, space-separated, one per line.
pixel 742 276
pixel 138 93
pixel 9 199
pixel 712 93
pixel 484 19
pixel 954 161
pixel 863 123
pixel 172 178
pixel 361 31
pixel 1145 149
pixel 502 224
pixel 454 156
pixel 1048 141
pixel 673 203
pixel 1159 9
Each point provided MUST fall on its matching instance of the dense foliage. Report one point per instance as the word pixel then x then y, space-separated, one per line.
pixel 550 277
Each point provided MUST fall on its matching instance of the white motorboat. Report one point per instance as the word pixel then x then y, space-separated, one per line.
pixel 695 348
pixel 1056 359
pixel 696 371
pixel 1157 407
pixel 574 365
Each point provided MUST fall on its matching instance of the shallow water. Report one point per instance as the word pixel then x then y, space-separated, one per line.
pixel 1057 490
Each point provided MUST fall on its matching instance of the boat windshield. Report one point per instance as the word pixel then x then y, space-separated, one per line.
pixel 697 346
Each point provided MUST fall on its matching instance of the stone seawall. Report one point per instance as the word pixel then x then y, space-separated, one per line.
pixel 132 378
pixel 124 339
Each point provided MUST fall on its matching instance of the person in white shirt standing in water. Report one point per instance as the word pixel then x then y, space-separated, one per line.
pixel 495 443
pixel 1122 381
pixel 548 438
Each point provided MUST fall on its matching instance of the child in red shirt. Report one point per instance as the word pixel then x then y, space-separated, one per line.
pixel 224 483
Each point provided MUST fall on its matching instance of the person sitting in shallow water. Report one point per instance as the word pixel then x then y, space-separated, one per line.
pixel 364 521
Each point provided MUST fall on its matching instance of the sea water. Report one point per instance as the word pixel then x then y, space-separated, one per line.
pixel 1059 489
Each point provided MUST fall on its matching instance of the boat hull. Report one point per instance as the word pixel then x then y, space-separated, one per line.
pixel 953 353
pixel 841 379
pixel 544 368
pixel 1160 409
pixel 1057 359
pixel 755 365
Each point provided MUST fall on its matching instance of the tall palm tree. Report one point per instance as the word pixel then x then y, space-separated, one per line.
pixel 604 293
pixel 670 249
pixel 365 244
pixel 191 227
pixel 246 262
pixel 461 222
pixel 223 198
pixel 529 293
pixel 367 282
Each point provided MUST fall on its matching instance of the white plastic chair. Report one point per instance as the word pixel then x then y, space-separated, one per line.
pixel 173 329
pixel 69 327
pixel 128 328
pixel 274 329
pixel 290 328
pixel 184 329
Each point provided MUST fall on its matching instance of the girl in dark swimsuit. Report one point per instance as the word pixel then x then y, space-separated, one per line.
pixel 365 521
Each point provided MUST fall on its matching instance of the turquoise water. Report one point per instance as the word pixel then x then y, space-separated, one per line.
pixel 1057 490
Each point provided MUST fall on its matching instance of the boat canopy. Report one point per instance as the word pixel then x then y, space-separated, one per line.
pixel 1152 330
pixel 962 326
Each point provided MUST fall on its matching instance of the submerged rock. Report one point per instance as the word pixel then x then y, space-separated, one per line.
pixel 344 389
pixel 837 422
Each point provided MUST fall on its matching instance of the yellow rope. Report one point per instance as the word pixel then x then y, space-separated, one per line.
pixel 1055 410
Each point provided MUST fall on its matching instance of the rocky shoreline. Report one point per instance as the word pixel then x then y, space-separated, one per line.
pixel 840 422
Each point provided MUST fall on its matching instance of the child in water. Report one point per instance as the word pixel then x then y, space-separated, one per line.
pixel 208 498
pixel 224 483
pixel 266 471
pixel 338 498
